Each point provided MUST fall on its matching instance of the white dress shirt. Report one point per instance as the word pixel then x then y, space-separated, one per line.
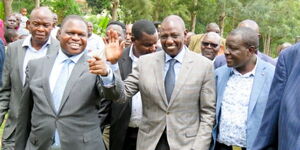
pixel 136 107
pixel 58 64
pixel 177 65
pixel 95 43
pixel 31 53
pixel 234 109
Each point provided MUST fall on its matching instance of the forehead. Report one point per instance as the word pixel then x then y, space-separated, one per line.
pixel 41 17
pixel 90 24
pixel 211 38
pixel 149 37
pixel 171 26
pixel 74 24
pixel 116 28
pixel 234 40
pixel 12 17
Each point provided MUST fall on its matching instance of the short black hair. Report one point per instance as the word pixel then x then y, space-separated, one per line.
pixel 249 36
pixel 142 26
pixel 72 17
pixel 117 23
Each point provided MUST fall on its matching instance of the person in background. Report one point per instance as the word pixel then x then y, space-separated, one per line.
pixel 128 35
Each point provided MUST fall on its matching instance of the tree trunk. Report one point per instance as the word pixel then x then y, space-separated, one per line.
pixel 222 22
pixel 115 5
pixel 37 3
pixel 7 7
pixel 194 15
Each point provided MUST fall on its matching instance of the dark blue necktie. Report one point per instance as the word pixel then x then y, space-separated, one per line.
pixel 170 79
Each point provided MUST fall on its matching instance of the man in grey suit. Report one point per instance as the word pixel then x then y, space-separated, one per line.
pixel 178 98
pixel 59 101
pixel 18 54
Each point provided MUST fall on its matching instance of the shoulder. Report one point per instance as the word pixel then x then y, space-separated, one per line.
pixel 17 43
pixel 221 70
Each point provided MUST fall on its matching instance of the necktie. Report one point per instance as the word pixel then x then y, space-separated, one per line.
pixel 170 79
pixel 58 91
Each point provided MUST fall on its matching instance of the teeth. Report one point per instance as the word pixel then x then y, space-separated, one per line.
pixel 74 45
pixel 171 47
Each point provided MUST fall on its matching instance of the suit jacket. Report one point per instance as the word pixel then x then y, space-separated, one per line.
pixel 189 116
pixel 221 60
pixel 120 112
pixel 280 128
pixel 11 91
pixel 259 95
pixel 77 119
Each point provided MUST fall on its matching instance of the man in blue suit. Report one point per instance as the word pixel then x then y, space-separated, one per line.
pixel 242 92
pixel 280 128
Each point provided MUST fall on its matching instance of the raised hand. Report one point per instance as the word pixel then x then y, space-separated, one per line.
pixel 97 66
pixel 113 47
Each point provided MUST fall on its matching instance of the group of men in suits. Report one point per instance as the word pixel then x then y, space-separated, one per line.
pixel 52 91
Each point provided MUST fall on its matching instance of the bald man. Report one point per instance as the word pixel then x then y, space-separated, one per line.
pixel 18 54
pixel 210 45
pixel 196 40
pixel 220 60
pixel 178 101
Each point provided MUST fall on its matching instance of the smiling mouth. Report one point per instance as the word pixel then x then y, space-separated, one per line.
pixel 75 45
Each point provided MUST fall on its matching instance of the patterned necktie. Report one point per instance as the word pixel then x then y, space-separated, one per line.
pixel 58 92
pixel 170 79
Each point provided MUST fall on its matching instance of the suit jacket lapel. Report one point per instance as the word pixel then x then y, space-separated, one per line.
pixel 53 47
pixel 125 64
pixel 221 85
pixel 182 76
pixel 77 71
pixel 158 71
pixel 259 81
pixel 46 73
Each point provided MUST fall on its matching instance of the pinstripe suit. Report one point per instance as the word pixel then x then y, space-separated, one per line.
pixel 280 127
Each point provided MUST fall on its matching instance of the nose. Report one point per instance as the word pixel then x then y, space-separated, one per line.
pixel 153 48
pixel 75 37
pixel 169 41
pixel 227 51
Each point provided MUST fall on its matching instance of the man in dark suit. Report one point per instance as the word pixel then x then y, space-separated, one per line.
pixel 220 60
pixel 126 117
pixel 280 128
pixel 59 101
pixel 18 54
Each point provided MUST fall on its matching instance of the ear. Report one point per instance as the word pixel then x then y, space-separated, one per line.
pixel 252 50
pixel 27 25
pixel 58 34
pixel 185 32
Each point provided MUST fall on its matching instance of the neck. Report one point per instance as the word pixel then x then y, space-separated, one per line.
pixel 37 45
pixel 135 52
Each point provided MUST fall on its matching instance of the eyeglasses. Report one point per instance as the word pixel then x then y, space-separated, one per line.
pixel 213 45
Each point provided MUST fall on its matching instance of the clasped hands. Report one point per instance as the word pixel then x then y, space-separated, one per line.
pixel 113 51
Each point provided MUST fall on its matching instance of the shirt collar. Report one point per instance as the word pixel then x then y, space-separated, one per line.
pixel 131 55
pixel 178 57
pixel 248 74
pixel 27 42
pixel 62 57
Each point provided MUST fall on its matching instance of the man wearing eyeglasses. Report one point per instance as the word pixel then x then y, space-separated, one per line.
pixel 210 45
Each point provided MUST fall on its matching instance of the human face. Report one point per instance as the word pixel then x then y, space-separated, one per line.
pixel 40 26
pixel 73 37
pixel 210 47
pixel 118 29
pixel 24 11
pixel 90 28
pixel 128 34
pixel 146 44
pixel 12 22
pixel 236 53
pixel 172 37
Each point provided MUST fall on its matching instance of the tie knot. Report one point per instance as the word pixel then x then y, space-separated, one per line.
pixel 172 61
pixel 68 61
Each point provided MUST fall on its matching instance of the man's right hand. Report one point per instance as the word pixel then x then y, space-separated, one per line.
pixel 113 47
